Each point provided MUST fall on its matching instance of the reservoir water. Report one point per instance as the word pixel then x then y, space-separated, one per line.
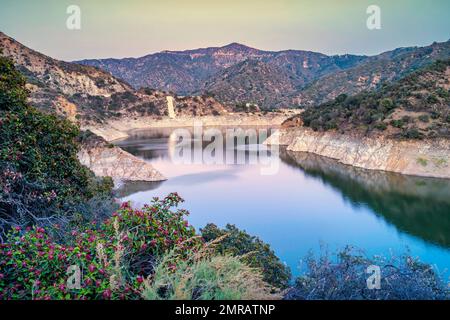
pixel 309 203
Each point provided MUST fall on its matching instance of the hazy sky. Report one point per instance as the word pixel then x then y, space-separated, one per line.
pixel 132 28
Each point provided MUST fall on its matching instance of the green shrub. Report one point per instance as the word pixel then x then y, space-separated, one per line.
pixel 422 161
pixel 412 133
pixel 432 99
pixel 397 123
pixel 387 104
pixel 255 252
pixel 381 126
pixel 424 118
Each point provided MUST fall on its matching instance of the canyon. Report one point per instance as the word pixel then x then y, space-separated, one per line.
pixel 109 107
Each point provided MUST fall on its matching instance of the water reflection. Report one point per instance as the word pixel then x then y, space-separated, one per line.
pixel 416 205
pixel 132 187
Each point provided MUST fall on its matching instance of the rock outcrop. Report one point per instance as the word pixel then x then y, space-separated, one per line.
pixel 118 164
pixel 429 158
pixel 107 160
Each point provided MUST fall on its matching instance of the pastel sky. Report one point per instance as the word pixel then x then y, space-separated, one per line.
pixel 132 28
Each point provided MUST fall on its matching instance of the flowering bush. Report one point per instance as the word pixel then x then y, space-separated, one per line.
pixel 114 257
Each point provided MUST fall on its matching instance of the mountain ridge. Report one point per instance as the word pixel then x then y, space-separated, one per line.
pixel 185 72
pixel 87 93
pixel 316 77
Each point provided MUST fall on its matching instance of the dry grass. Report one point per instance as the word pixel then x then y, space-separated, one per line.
pixel 205 276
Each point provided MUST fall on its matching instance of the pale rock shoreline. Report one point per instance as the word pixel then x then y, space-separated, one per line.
pixel 107 160
pixel 118 164
pixel 116 129
pixel 427 158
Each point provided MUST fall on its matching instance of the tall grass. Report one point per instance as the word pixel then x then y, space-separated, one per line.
pixel 206 276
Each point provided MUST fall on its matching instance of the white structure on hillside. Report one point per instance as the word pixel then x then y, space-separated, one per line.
pixel 170 108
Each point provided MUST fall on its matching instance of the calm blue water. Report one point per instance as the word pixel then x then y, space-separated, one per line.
pixel 310 202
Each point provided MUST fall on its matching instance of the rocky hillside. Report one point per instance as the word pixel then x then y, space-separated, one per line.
pixel 251 81
pixel 281 79
pixel 415 107
pixel 88 94
pixel 186 72
pixel 372 73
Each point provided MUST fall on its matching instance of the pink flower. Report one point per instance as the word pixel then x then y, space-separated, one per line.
pixel 107 294
pixel 91 268
pixel 140 279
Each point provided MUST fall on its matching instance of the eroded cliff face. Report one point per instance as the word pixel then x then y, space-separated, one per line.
pixel 429 158
pixel 110 161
